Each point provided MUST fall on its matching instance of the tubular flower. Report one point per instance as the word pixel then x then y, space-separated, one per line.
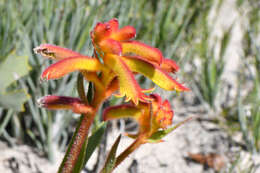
pixel 153 117
pixel 122 59
pixel 125 56
pixel 62 102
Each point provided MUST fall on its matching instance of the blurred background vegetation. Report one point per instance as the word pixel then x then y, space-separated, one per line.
pixel 182 29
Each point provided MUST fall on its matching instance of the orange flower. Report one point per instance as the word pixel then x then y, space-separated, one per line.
pixel 121 59
pixel 153 117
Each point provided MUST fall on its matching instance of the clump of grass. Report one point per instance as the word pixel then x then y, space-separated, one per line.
pixel 249 106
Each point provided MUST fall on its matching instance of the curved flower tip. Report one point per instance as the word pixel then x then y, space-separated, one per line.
pixel 68 65
pixel 153 72
pixel 110 30
pixel 55 52
pixel 169 65
pixel 103 30
pixel 145 51
pixel 113 23
pixel 179 87
pixel 63 102
pixel 124 34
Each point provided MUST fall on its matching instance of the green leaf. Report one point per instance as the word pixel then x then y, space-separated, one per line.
pixel 225 41
pixel 111 158
pixel 5 121
pixel 12 69
pixel 157 136
pixel 94 141
pixel 14 100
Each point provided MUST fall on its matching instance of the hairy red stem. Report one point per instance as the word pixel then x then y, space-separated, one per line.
pixel 136 144
pixel 76 146
pixel 81 135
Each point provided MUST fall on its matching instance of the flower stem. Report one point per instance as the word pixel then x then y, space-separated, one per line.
pixel 80 136
pixel 136 144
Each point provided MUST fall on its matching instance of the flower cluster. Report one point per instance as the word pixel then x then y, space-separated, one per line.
pixel 152 116
pixel 121 57
pixel 117 59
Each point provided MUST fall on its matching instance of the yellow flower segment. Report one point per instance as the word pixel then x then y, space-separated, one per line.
pixel 153 72
pixel 69 65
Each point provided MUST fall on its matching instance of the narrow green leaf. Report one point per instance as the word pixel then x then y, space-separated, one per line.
pixel 5 121
pixel 94 141
pixel 225 40
pixel 111 158
pixel 157 136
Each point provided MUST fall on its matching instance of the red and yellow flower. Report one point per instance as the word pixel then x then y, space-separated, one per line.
pixel 117 59
pixel 152 117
